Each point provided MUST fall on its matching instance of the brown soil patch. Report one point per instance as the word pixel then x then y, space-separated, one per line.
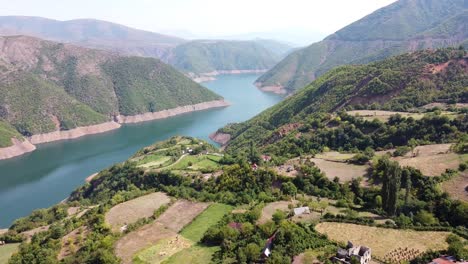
pixel 72 242
pixel 144 237
pixel 130 211
pixel 384 240
pixel 30 233
pixel 270 209
pixel 180 214
pixel 431 160
pixel 457 187
pixel 344 171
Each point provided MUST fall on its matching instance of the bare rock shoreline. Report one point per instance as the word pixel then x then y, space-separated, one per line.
pixel 28 145
pixel 210 76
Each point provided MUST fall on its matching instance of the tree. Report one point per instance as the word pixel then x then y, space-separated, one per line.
pixel 278 216
pixel 289 189
pixel 425 218
pixel 391 177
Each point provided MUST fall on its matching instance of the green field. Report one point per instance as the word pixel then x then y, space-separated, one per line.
pixel 6 251
pixel 192 162
pixel 212 215
pixel 154 161
pixel 193 255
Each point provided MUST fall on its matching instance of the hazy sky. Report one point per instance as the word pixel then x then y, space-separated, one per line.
pixel 206 17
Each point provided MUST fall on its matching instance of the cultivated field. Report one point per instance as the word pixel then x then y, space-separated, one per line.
pixel 180 214
pixel 142 238
pixel 6 251
pixel 383 240
pixel 162 250
pixel 212 215
pixel 130 211
pixel 193 255
pixel 334 156
pixel 457 187
pixel 270 209
pixel 432 160
pixel 381 115
pixel 344 171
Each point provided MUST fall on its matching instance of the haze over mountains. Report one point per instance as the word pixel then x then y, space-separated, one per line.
pixel 405 25
pixel 224 55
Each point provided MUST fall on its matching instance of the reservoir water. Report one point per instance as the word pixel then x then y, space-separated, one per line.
pixel 49 174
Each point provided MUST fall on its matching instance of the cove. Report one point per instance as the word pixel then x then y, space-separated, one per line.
pixel 48 175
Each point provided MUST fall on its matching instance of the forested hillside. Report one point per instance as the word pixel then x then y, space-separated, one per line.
pixel 206 56
pixel 401 83
pixel 406 25
pixel 47 86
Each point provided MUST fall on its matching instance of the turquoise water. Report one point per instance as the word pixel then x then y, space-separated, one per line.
pixel 49 174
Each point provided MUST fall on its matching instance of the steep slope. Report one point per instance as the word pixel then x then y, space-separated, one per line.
pixel 47 86
pixel 206 57
pixel 397 84
pixel 406 25
pixel 91 33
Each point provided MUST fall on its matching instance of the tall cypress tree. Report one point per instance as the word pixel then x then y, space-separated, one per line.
pixel 391 181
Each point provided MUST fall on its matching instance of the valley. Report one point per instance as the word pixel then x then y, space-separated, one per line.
pixel 64 165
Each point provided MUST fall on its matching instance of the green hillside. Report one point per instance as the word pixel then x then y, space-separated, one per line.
pixel 400 83
pixel 406 25
pixel 204 56
pixel 7 132
pixel 49 86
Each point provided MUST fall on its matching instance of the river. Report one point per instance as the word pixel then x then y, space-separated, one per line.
pixel 49 174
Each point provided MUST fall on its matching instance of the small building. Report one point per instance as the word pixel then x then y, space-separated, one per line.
pixel 447 260
pixel 301 210
pixel 361 253
pixel 266 251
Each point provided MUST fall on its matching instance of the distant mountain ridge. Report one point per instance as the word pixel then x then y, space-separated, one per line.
pixel 91 33
pixel 406 25
pixel 187 56
pixel 48 86
pixel 208 56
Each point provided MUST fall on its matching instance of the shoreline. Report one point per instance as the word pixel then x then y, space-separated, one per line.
pixel 28 145
pixel 210 76
pixel 17 149
pixel 276 89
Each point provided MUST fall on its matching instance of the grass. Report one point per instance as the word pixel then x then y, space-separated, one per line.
pixel 344 171
pixel 455 187
pixel 130 211
pixel 154 160
pixel 7 132
pixel 384 240
pixel 162 250
pixel 194 255
pixel 193 162
pixel 212 215
pixel 6 251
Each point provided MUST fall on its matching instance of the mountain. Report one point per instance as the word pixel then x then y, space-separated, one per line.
pixel 91 33
pixel 199 56
pixel 207 56
pixel 401 83
pixel 406 25
pixel 277 47
pixel 47 86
